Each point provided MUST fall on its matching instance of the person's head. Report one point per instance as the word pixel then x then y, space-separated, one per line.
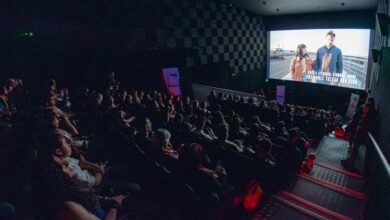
pixel 280 127
pixel 99 98
pixel 263 147
pixel 56 145
pixel 143 125
pixel 293 135
pixel 218 117
pixel 371 99
pixel 179 118
pixel 203 105
pixel 200 123
pixel 236 124
pixel 110 101
pixel 330 36
pixel 155 105
pixel 195 155
pixel 195 104
pixel 222 132
pixel 301 51
pixel 170 108
pixel 161 137
pixel 50 100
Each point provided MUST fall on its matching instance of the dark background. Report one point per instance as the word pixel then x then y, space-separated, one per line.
pixel 211 42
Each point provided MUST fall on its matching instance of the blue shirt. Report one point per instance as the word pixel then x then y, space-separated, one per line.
pixel 336 60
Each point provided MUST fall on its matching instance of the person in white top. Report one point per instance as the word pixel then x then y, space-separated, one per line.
pixel 85 174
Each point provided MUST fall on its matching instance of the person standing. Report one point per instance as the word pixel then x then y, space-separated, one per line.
pixel 301 63
pixel 329 58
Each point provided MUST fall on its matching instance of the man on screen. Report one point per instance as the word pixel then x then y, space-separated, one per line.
pixel 329 58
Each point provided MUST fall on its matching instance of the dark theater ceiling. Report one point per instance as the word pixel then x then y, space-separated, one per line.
pixel 283 7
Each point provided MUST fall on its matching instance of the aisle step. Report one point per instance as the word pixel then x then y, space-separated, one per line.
pixel 325 213
pixel 331 198
pixel 335 187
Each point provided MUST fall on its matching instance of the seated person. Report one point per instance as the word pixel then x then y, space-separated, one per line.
pixel 143 133
pixel 217 119
pixel 236 131
pixel 281 134
pixel 280 129
pixel 254 134
pixel 55 190
pixel 63 99
pixel 266 166
pixel 206 182
pixel 222 139
pixel 290 159
pixel 162 150
pixel 87 175
pixel 299 140
pixel 64 120
pixel 199 131
pixel 82 178
pixel 262 126
pixel 52 122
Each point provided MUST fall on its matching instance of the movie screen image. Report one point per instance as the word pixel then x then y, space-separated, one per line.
pixel 337 57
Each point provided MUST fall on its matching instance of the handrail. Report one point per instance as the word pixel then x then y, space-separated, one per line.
pixel 382 157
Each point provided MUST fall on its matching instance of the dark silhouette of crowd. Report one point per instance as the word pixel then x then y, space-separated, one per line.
pixel 84 153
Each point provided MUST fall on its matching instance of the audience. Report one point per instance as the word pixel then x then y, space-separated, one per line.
pixel 193 139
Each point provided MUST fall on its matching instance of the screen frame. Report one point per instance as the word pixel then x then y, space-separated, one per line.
pixel 369 64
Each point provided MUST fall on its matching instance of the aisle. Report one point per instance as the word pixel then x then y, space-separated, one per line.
pixel 328 192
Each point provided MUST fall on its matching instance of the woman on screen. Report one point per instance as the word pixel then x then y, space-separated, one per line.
pixel 301 64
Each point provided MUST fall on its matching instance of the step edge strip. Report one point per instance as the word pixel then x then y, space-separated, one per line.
pixel 300 208
pixel 314 206
pixel 335 187
pixel 339 170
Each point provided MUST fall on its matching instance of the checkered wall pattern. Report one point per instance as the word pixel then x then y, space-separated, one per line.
pixel 219 33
